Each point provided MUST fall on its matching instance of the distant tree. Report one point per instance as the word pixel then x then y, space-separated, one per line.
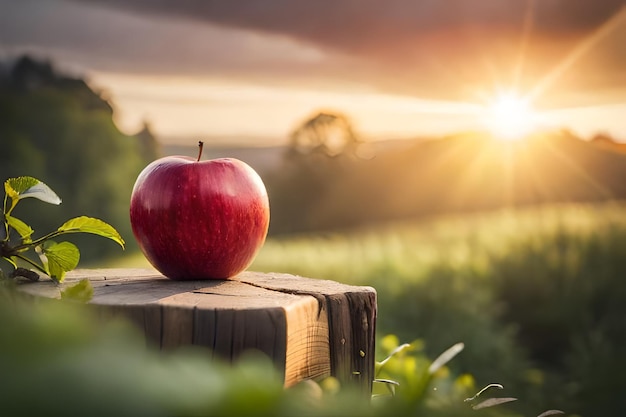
pixel 607 142
pixel 602 138
pixel 320 152
pixel 148 144
pixel 331 134
pixel 29 74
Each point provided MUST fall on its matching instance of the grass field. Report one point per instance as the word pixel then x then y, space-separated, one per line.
pixel 408 250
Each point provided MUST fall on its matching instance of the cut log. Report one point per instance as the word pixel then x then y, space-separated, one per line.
pixel 310 328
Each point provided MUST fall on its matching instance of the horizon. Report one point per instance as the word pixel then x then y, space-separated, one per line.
pixel 418 71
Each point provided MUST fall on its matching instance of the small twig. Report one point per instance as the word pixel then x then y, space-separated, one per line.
pixel 25 273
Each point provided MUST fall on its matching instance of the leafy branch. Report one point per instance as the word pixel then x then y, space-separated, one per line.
pixel 52 258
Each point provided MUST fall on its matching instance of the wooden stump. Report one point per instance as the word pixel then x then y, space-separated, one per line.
pixel 310 328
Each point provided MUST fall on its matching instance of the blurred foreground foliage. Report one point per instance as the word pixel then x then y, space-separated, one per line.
pixel 58 360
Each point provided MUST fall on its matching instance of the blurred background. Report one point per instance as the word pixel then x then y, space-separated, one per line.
pixel 467 159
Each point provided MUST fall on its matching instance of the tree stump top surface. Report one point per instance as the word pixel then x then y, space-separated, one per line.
pixel 130 286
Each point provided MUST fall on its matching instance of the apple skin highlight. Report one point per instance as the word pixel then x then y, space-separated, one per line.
pixel 199 219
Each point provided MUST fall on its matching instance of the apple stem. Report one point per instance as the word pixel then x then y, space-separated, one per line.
pixel 200 145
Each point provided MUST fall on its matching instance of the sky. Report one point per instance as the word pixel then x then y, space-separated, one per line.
pixel 251 71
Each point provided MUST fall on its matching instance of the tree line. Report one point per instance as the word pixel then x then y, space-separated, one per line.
pixel 57 129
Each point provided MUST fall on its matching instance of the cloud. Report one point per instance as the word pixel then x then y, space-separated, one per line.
pixel 453 49
pixel 433 47
pixel 350 24
pixel 126 42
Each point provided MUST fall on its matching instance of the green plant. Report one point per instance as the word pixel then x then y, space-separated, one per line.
pixel 412 384
pixel 52 258
pixel 408 374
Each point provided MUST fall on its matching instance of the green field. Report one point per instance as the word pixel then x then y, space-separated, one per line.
pixel 410 250
pixel 537 294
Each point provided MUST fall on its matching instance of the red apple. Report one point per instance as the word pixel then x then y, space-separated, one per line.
pixel 199 219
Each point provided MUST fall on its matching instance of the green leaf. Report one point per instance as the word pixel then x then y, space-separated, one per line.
pixel 550 413
pixel 62 257
pixel 81 292
pixel 445 357
pixel 16 186
pixel 24 187
pixel 91 225
pixel 379 365
pixel 492 402
pixel 24 230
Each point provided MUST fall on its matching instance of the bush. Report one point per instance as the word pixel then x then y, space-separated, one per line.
pixel 566 294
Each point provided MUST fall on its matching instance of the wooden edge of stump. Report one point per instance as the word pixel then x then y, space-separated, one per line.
pixel 310 328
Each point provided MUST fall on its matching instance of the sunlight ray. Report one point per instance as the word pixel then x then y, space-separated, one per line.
pixel 529 19
pixel 583 47
pixel 533 187
pixel 578 170
pixel 492 165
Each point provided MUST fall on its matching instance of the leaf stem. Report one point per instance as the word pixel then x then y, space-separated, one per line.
pixel 499 386
pixel 13 204
pixel 5 238
pixel 39 241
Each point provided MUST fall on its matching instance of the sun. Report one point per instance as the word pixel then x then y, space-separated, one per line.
pixel 509 116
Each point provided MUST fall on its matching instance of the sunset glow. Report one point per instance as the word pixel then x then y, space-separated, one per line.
pixel 429 70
